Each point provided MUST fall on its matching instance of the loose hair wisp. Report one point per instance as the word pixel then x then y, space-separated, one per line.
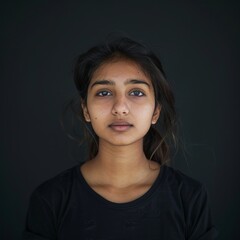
pixel 161 136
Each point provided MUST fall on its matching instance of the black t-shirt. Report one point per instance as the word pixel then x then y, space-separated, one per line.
pixel 67 208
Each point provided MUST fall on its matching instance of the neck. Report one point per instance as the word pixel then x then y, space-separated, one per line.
pixel 121 164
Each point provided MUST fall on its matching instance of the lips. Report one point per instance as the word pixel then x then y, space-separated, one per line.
pixel 120 126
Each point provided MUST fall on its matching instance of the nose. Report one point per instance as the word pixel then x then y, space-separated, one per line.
pixel 120 106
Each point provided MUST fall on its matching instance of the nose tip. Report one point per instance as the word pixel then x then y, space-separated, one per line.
pixel 120 107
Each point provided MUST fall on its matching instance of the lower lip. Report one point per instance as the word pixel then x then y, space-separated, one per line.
pixel 120 128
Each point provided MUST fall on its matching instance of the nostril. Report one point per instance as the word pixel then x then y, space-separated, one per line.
pixel 120 107
pixel 123 112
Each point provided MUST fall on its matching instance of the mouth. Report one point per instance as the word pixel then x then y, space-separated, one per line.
pixel 120 126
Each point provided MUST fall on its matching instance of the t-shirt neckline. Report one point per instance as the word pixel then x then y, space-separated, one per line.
pixel 132 203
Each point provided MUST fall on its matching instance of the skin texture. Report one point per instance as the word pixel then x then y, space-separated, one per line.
pixel 121 109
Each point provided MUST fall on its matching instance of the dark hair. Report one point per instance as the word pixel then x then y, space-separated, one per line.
pixel 160 137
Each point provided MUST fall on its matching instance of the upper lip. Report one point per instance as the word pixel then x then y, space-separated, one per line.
pixel 120 123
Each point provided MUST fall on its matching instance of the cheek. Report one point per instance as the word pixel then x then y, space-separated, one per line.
pixel 145 112
pixel 97 113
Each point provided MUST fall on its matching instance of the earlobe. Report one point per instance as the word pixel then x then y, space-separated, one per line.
pixel 85 113
pixel 156 114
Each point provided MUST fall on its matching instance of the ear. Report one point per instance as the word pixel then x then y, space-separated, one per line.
pixel 156 114
pixel 85 113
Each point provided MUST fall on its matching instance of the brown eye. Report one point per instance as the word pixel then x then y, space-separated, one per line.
pixel 137 93
pixel 103 93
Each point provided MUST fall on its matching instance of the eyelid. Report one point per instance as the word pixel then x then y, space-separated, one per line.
pixel 110 93
pixel 101 91
pixel 138 90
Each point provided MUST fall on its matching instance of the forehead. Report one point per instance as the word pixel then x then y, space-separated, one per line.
pixel 120 70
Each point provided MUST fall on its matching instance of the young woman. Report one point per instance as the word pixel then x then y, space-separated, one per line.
pixel 124 189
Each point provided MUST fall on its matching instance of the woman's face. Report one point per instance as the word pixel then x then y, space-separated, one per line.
pixel 120 103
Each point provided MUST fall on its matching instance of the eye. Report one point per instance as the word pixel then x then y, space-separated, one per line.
pixel 137 93
pixel 103 93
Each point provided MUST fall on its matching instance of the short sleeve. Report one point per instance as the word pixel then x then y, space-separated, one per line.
pixel 40 220
pixel 199 220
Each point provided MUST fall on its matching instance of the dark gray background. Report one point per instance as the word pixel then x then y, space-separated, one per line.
pixel 198 43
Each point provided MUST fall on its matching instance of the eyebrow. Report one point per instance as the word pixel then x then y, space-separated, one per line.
pixel 112 83
pixel 137 81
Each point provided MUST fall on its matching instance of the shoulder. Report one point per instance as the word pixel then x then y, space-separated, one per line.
pixel 177 176
pixel 192 197
pixel 183 184
pixel 58 185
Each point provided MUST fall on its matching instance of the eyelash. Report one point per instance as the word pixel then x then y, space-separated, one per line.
pixel 137 91
pixel 99 94
pixel 140 93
